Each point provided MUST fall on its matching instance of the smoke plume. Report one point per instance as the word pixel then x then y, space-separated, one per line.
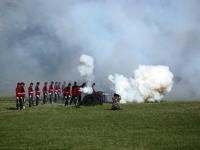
pixel 149 84
pixel 86 70
pixel 42 40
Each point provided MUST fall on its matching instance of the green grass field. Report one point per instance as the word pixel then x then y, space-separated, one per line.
pixel 165 125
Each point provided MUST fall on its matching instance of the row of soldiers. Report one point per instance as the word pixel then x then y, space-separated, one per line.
pixel 68 94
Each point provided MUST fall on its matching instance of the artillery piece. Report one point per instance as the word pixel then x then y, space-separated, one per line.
pixel 93 99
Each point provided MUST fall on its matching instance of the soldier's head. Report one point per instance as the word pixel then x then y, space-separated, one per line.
pixel 56 83
pixel 75 83
pixel 116 94
pixel 83 84
pixel 38 83
pixel 31 84
pixel 45 83
pixel 18 84
pixel 52 82
pixel 69 84
pixel 93 84
pixel 22 84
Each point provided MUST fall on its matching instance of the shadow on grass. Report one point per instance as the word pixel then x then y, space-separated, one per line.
pixel 11 108
pixel 114 109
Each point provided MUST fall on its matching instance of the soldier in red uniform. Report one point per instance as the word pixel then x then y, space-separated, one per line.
pixel 93 87
pixel 67 94
pixel 45 92
pixel 30 92
pixel 18 95
pixel 22 106
pixel 63 90
pixel 78 93
pixel 74 94
pixel 51 92
pixel 74 86
pixel 37 93
pixel 59 91
pixel 56 92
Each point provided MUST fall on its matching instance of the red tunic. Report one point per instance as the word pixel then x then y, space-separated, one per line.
pixel 59 90
pixel 74 92
pixel 37 91
pixel 22 92
pixel 30 91
pixel 18 91
pixel 67 91
pixel 56 89
pixel 51 89
pixel 45 90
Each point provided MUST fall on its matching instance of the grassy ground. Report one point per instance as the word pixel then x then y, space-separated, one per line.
pixel 165 125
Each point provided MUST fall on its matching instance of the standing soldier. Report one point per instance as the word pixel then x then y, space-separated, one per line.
pixel 93 87
pixel 74 86
pixel 51 92
pixel 63 90
pixel 67 94
pixel 18 95
pixel 59 91
pixel 22 106
pixel 78 93
pixel 74 95
pixel 30 92
pixel 56 92
pixel 37 93
pixel 45 92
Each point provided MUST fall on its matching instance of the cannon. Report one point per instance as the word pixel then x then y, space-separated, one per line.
pixel 93 99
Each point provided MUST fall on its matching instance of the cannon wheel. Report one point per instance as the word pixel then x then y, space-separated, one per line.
pixel 99 97
pixel 89 100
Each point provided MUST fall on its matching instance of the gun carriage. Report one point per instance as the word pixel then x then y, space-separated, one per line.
pixel 96 98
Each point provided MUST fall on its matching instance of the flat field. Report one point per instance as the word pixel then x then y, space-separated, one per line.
pixel 165 125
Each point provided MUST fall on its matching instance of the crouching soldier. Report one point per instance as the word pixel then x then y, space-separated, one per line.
pixel 116 102
pixel 18 95
pixel 51 92
pixel 45 92
pixel 22 106
pixel 37 93
pixel 67 94
pixel 30 92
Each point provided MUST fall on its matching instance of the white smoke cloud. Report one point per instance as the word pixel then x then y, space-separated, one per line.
pixel 86 70
pixel 42 40
pixel 150 83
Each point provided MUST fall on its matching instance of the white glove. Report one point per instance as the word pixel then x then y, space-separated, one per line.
pixel 65 96
pixel 75 97
pixel 38 96
pixel 49 93
pixel 18 98
pixel 45 94
pixel 55 93
pixel 69 96
pixel 30 96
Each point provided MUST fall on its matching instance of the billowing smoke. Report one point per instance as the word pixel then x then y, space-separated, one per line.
pixel 149 84
pixel 42 40
pixel 86 70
